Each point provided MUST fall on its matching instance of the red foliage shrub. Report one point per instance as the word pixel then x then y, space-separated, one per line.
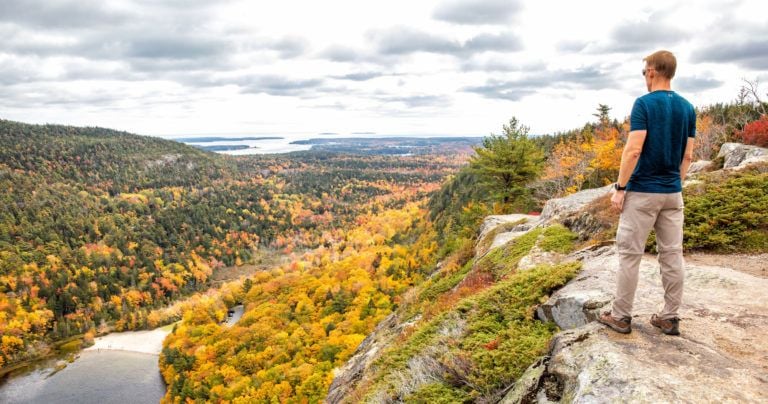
pixel 756 133
pixel 492 345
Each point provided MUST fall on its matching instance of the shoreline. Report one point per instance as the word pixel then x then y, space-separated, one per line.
pixel 145 341
pixel 53 350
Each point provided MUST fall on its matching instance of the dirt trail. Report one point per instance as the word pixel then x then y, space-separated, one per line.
pixel 756 265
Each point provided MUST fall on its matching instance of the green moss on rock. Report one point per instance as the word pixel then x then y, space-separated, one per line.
pixel 503 260
pixel 437 393
pixel 444 283
pixel 557 238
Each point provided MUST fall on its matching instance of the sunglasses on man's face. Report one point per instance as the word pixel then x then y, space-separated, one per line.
pixel 645 70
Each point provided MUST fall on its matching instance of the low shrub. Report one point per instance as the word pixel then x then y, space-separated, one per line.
pixel 558 238
pixel 438 393
pixel 728 212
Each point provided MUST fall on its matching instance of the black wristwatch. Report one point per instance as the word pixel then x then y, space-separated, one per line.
pixel 619 187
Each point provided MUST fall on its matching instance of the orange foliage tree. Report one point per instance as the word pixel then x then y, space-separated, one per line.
pixel 587 160
pixel 709 137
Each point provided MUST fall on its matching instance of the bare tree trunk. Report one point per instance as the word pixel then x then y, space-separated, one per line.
pixel 752 88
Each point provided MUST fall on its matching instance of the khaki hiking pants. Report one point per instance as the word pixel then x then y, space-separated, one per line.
pixel 642 212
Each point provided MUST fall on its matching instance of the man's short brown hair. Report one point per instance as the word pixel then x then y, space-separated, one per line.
pixel 663 62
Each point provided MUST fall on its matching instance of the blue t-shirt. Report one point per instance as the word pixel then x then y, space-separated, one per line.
pixel 669 120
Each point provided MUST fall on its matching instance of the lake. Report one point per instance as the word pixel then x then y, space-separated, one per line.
pixel 105 376
pixel 120 367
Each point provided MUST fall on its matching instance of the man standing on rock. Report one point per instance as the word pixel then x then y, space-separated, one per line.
pixel 649 196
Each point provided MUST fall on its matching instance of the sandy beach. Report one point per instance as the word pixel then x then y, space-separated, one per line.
pixel 150 342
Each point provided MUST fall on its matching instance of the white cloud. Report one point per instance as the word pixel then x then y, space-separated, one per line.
pixel 431 67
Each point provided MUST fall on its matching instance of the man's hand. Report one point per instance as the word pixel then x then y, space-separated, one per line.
pixel 617 199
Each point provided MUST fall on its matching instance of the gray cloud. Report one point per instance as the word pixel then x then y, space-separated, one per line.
pixel 493 65
pixel 590 78
pixel 157 43
pixel 165 47
pixel 338 106
pixel 504 42
pixel 499 89
pixel 275 85
pixel 751 53
pixel 735 40
pixel 142 43
pixel 402 40
pixel 697 84
pixel 176 4
pixel 289 47
pixel 61 13
pixel 500 65
pixel 339 53
pixel 572 46
pixel 14 73
pixel 641 36
pixel 39 95
pixel 153 42
pixel 360 76
pixel 15 70
pixel 174 69
pixel 18 41
pixel 420 101
pixel 477 12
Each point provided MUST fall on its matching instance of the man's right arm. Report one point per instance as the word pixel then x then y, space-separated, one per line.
pixel 629 158
pixel 687 158
pixel 631 155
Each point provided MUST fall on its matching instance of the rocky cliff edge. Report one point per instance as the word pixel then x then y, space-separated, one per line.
pixel 720 356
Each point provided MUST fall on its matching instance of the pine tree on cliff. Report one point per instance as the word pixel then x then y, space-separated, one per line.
pixel 506 163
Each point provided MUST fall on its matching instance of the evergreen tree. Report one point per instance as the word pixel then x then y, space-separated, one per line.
pixel 506 163
pixel 603 114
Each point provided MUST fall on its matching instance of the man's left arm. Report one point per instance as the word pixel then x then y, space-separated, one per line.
pixel 687 158
pixel 689 146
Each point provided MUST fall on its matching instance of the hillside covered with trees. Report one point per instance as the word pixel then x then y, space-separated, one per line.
pixel 99 228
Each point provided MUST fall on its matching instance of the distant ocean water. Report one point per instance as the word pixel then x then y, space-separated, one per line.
pixel 267 144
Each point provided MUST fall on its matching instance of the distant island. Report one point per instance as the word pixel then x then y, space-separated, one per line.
pixel 401 140
pixel 219 139
pixel 224 147
pixel 394 145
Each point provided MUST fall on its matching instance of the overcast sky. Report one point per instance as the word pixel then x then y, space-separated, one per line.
pixel 392 67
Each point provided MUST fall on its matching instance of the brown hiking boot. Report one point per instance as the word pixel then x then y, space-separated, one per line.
pixel 623 326
pixel 669 326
